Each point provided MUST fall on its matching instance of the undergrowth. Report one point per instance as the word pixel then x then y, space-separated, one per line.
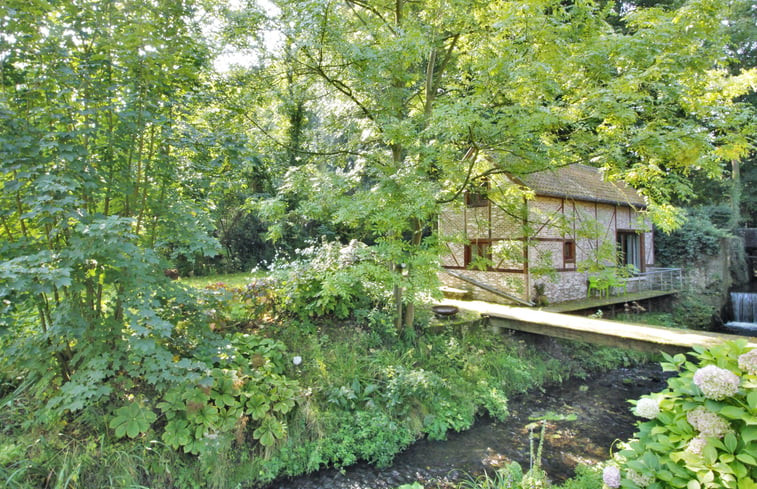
pixel 275 393
pixel 363 393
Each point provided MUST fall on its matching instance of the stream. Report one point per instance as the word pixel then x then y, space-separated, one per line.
pixel 600 404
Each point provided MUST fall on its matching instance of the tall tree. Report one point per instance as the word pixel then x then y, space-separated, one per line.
pixel 94 145
pixel 416 93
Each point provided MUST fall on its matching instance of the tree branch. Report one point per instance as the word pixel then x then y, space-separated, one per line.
pixel 275 141
pixel 469 155
pixel 375 12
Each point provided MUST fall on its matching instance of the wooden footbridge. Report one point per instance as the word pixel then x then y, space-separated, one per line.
pixel 598 331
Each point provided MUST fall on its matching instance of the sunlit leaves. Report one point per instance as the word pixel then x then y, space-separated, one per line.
pixel 94 145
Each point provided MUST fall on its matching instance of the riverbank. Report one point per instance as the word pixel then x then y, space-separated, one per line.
pixel 334 394
pixel 602 416
pixel 376 393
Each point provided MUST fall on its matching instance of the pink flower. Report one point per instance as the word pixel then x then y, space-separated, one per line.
pixel 716 383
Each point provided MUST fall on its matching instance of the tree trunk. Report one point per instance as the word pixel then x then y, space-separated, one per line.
pixel 735 194
pixel 397 293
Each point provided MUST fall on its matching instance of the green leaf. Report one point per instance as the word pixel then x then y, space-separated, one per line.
pixel 746 458
pixel 267 439
pixel 257 406
pixel 752 400
pixel 177 433
pixel 730 442
pixel 732 412
pixel 132 420
pixel 710 454
pixel 747 483
pixel 269 431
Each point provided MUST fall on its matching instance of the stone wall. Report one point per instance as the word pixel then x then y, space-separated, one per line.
pixel 513 283
pixel 569 286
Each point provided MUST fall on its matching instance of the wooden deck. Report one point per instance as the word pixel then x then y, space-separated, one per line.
pixel 597 302
pixel 598 331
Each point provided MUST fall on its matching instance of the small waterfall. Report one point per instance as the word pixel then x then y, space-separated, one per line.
pixel 744 305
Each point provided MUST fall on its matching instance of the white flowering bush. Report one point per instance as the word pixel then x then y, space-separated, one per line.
pixel 701 431
pixel 327 278
pixel 647 408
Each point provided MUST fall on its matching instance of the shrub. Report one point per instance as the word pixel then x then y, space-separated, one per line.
pixel 239 307
pixel 699 236
pixel 245 393
pixel 700 432
pixel 326 280
pixel 693 311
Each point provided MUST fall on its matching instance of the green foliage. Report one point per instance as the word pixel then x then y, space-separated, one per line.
pixel 423 105
pixel 244 420
pixel 691 311
pixel 243 307
pixel 132 420
pixel 702 435
pixel 697 238
pixel 600 262
pixel 608 278
pixel 509 477
pixel 587 477
pixel 245 393
pixel 373 404
pixel 94 143
pixel 666 319
pixel 329 279
pixel 414 485
pixel 512 477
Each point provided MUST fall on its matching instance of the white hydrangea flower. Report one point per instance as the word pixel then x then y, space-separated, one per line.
pixel 640 480
pixel 611 476
pixel 696 445
pixel 647 408
pixel 748 362
pixel 707 423
pixel 716 383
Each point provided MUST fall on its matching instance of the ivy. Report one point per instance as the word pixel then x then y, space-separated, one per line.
pixel 698 237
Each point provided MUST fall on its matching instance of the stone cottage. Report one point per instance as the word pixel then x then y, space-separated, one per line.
pixel 552 228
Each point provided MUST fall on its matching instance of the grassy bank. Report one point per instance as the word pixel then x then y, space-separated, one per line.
pixel 362 394
pixel 280 395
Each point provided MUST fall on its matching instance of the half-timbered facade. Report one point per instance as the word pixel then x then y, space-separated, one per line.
pixel 514 233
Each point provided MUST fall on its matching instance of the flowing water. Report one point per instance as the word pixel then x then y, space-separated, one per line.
pixel 744 306
pixel 603 416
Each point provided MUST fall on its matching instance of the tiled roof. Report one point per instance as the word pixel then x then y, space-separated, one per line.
pixel 581 182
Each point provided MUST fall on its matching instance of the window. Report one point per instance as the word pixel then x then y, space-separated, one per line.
pixel 477 195
pixel 478 255
pixel 569 251
pixel 629 249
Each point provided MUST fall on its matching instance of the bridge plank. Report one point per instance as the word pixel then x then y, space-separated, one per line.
pixel 598 331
